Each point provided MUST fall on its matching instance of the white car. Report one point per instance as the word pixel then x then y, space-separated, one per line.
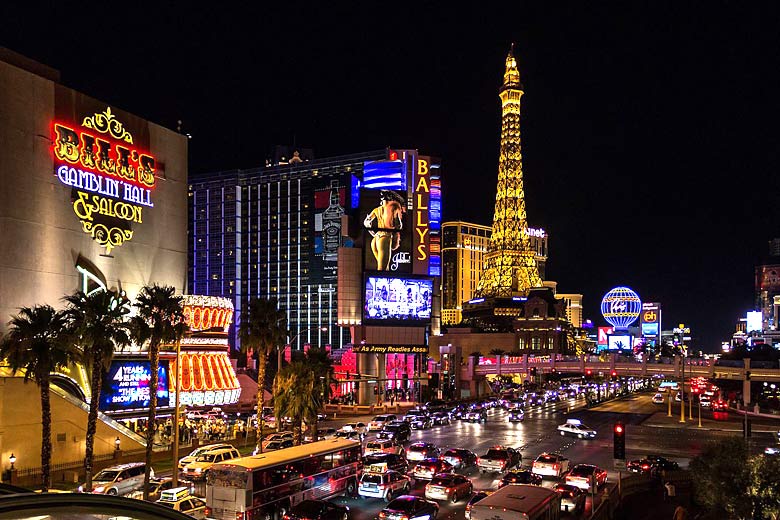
pixel 358 427
pixel 382 446
pixel 550 465
pixel 386 485
pixel 658 398
pixel 576 428
pixel 380 421
pixel 705 400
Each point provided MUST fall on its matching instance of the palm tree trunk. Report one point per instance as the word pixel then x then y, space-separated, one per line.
pixel 96 383
pixel 45 434
pixel 297 428
pixel 154 361
pixel 262 359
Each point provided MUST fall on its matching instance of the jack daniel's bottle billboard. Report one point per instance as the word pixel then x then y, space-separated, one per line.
pixel 329 199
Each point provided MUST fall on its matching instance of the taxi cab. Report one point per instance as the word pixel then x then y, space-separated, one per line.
pixel 379 482
pixel 180 499
pixel 576 428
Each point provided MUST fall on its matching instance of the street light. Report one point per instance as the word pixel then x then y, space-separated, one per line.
pixel 12 460
pixel 117 442
pixel 279 357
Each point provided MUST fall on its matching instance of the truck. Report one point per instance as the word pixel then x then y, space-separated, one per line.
pixel 499 459
pixel 518 502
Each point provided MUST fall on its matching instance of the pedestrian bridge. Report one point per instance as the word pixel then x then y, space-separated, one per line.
pixel 670 368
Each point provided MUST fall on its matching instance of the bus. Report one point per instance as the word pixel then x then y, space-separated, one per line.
pixel 518 502
pixel 265 486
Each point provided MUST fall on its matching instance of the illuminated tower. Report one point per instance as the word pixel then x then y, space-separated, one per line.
pixel 510 266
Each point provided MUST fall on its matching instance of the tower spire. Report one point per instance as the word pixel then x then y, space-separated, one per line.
pixel 510 264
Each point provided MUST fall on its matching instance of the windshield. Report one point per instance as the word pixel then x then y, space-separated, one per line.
pixel 441 481
pixel 496 454
pixel 208 457
pixel 547 458
pixel 380 418
pixel 581 471
pixel 106 476
pixel 372 479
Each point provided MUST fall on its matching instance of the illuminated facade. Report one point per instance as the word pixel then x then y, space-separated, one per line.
pixel 274 232
pixel 768 287
pixel 464 246
pixel 510 265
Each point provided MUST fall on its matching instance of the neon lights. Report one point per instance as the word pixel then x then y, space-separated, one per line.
pixel 207 312
pixel 621 307
pixel 207 378
pixel 111 180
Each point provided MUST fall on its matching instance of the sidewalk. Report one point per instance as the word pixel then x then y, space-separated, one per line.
pixel 732 422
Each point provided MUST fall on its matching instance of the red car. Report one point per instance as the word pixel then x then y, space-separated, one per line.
pixel 583 474
pixel 720 406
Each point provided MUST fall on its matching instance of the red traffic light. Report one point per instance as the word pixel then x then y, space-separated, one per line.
pixel 588 372
pixel 618 428
pixel 614 373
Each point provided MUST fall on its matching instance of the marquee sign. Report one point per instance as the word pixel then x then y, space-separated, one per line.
pixel 207 312
pixel 207 378
pixel 390 349
pixel 111 177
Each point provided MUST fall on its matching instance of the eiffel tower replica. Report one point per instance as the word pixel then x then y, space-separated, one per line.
pixel 510 270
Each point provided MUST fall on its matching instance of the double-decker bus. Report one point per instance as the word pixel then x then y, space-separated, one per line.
pixel 265 486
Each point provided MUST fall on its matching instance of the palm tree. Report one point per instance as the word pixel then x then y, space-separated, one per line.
pixel 160 319
pixel 38 343
pixel 295 396
pixel 97 322
pixel 322 366
pixel 263 327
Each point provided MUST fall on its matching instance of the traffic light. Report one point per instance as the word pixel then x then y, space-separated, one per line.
pixel 613 375
pixel 619 441
pixel 588 373
pixel 533 371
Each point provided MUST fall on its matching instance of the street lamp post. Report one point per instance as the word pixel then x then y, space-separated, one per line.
pixel 279 357
pixel 176 417
pixel 682 387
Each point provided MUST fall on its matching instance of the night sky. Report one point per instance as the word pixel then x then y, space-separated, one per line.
pixel 650 130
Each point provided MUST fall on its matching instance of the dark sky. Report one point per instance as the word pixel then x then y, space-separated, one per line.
pixel 650 129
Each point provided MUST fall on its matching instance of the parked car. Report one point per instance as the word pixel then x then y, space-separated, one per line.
pixel 118 480
pixel 450 487
pixel 572 498
pixel 460 458
pixel 380 421
pixel 408 506
pixel 318 510
pixel 583 474
pixel 199 469
pixel 426 469
pixel 421 450
pixel 550 465
pixel 521 476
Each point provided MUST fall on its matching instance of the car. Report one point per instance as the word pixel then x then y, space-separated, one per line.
pixel 382 446
pixel 277 445
pixel 582 475
pixel 521 476
pixel 118 480
pixel 499 459
pixel 380 421
pixel 199 469
pixel 157 486
pixel 550 465
pixel 478 414
pixel 720 405
pixel 180 499
pixel 317 510
pixel 440 418
pixel 476 497
pixel 658 398
pixel 705 400
pixel 384 484
pixel 408 507
pixel 514 404
pixel 322 434
pixel 421 422
pixel 427 468
pixel 421 450
pixel 194 454
pixel 516 415
pixel 458 411
pixel 534 399
pixel 576 428
pixel 284 435
pixel 646 464
pixel 389 460
pixel 772 450
pixel 459 458
pixel 572 498
pixel 436 405
pixel 414 414
pixel 354 435
pixel 358 427
pixel 450 487
pixel 399 431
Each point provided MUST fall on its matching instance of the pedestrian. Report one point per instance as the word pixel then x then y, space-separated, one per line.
pixel 669 491
pixel 680 513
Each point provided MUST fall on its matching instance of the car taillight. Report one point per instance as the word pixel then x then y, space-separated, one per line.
pixel 382 514
pixel 381 486
pixel 478 460
pixel 645 466
pixel 207 511
pixel 556 467
pixel 240 516
pixel 448 490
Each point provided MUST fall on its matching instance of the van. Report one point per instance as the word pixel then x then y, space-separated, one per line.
pixel 382 446
pixel 518 502
pixel 119 480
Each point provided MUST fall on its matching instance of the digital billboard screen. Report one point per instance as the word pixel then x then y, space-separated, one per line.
pixel 387 237
pixel 397 300
pixel 620 342
pixel 126 386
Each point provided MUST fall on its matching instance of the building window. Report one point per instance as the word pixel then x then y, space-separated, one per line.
pixel 535 343
pixel 550 343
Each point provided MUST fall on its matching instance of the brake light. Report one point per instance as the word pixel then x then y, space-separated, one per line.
pixel 380 486
pixel 382 514
pixel 478 460
pixel 556 467
pixel 240 516
pixel 207 511
pixel 645 466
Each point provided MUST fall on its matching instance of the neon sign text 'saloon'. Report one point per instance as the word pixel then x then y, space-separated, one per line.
pixel 112 180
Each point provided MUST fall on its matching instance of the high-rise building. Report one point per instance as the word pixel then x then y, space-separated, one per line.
pixel 274 232
pixel 464 245
pixel 768 286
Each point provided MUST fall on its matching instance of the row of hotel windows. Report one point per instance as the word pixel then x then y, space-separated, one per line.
pixel 536 343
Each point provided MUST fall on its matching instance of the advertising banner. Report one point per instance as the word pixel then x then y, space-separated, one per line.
pixel 126 386
pixel 398 300
pixel 620 342
pixel 387 236
pixel 421 206
pixel 390 349
pixel 650 319
pixel 603 337
pixel 330 198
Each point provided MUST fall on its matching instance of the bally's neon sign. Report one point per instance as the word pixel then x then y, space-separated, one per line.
pixel 112 179
pixel 422 193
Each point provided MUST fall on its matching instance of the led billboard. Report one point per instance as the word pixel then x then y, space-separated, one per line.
pixel 620 342
pixel 603 335
pixel 754 321
pixel 397 300
pixel 330 198
pixel 650 319
pixel 126 386
pixel 387 237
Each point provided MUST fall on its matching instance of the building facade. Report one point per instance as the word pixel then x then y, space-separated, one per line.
pixel 463 249
pixel 274 232
pixel 767 288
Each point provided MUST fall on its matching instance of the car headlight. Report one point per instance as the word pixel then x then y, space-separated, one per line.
pixel 81 489
pixel 198 470
pixel 99 489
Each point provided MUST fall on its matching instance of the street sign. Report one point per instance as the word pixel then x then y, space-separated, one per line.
pixel 620 464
